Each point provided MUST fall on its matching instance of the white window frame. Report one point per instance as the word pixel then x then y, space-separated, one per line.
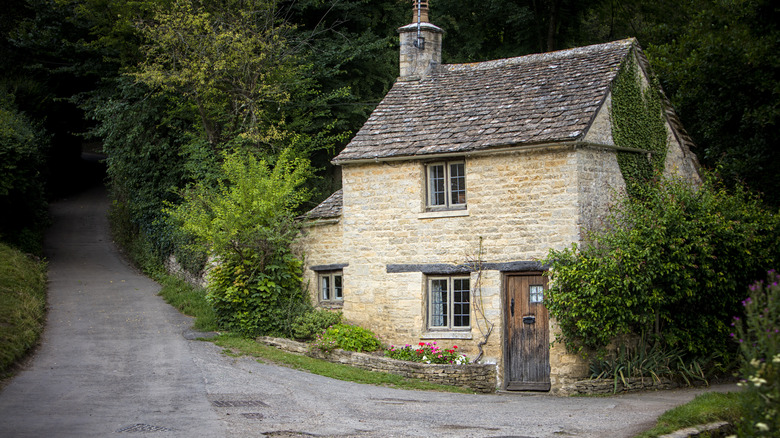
pixel 327 289
pixel 434 323
pixel 449 178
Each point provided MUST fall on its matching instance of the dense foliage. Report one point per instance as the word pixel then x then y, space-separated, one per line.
pixel 670 265
pixel 23 150
pixel 247 225
pixel 758 335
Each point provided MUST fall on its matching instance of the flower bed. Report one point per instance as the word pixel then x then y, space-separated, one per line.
pixel 478 377
pixel 427 352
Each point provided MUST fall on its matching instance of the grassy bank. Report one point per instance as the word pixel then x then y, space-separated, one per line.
pixel 22 305
pixel 705 408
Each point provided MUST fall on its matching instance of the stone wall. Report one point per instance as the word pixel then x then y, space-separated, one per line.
pixel 607 386
pixel 321 243
pixel 478 377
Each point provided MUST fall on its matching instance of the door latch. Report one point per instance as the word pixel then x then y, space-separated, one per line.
pixel 529 319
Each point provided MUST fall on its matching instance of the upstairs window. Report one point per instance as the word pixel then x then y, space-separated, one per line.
pixel 446 185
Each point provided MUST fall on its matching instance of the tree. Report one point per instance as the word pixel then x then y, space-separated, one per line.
pixel 231 60
pixel 722 72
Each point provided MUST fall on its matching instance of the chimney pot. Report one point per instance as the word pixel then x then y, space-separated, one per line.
pixel 420 11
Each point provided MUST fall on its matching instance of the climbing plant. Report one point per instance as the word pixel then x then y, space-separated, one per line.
pixel 481 321
pixel 637 122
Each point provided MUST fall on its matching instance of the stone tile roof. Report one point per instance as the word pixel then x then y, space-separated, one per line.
pixel 328 209
pixel 533 99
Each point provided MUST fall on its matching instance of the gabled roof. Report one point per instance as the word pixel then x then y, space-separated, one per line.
pixel 458 108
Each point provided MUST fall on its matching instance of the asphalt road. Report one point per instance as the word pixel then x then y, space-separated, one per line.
pixel 114 360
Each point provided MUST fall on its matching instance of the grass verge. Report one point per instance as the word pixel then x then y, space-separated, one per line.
pixel 238 346
pixel 705 408
pixel 22 305
pixel 189 300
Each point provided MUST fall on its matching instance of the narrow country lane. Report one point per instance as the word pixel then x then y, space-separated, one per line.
pixel 114 362
pixel 112 355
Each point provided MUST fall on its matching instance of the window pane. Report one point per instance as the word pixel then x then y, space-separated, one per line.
pixel 461 302
pixel 337 294
pixel 439 304
pixel 457 184
pixel 437 182
pixel 537 293
pixel 325 287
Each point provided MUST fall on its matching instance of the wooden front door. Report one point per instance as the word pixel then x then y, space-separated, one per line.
pixel 527 353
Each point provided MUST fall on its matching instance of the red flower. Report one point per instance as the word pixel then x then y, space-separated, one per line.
pixel 422 344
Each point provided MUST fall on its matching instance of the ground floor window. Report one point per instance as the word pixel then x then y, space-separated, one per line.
pixel 449 303
pixel 331 290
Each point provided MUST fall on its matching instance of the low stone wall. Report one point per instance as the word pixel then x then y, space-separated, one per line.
pixel 607 386
pixel 478 377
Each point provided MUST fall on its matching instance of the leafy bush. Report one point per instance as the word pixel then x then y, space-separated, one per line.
pixel 311 323
pixel 427 352
pixel 22 156
pixel 347 337
pixel 248 224
pixel 669 264
pixel 758 335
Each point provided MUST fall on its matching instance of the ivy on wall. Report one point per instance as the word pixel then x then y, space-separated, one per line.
pixel 637 122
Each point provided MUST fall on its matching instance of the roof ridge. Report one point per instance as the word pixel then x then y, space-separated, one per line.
pixel 537 57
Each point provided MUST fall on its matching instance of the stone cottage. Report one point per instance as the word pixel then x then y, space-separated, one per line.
pixel 458 185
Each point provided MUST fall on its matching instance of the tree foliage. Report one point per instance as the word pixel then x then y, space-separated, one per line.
pixel 247 224
pixel 670 264
pixel 722 71
pixel 23 150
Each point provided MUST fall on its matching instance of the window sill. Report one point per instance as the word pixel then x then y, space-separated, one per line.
pixel 446 335
pixel 443 213
pixel 331 304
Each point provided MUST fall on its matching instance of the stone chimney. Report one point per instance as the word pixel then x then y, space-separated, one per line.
pixel 420 44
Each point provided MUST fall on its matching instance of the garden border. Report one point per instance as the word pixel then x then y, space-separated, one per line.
pixel 478 377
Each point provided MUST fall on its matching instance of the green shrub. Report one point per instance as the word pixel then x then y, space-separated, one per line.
pixel 427 352
pixel 256 297
pixel 669 263
pixel 347 337
pixel 307 326
pixel 247 223
pixel 758 335
pixel 23 148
